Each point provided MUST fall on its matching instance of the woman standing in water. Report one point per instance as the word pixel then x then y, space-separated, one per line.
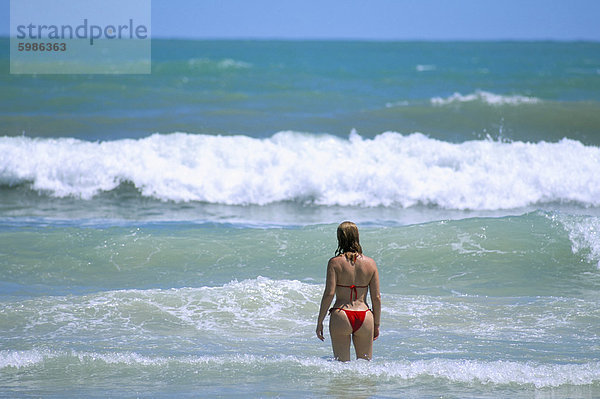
pixel 350 274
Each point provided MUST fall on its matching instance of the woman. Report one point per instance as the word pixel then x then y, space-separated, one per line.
pixel 350 274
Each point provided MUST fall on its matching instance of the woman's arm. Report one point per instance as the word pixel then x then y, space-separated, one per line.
pixel 376 301
pixel 328 295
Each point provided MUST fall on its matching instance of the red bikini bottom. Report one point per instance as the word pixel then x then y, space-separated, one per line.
pixel 355 317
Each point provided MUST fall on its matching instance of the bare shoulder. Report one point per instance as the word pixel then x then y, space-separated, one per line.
pixel 368 261
pixel 335 262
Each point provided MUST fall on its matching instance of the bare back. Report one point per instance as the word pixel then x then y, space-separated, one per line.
pixel 352 281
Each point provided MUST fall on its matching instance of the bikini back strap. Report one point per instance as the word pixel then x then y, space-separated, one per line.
pixel 353 291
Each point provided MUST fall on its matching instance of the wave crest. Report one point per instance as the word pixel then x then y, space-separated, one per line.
pixel 584 234
pixel 389 170
pixel 452 370
pixel 486 98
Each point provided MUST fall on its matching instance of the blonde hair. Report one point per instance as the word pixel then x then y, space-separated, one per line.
pixel 348 240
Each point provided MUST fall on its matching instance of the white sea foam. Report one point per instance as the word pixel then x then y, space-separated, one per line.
pixel 584 234
pixel 397 104
pixel 23 358
pixel 453 370
pixel 226 63
pixel 485 97
pixel 389 170
pixel 496 372
pixel 425 67
pixel 240 307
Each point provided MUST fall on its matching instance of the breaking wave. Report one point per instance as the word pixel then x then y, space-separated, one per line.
pixel 391 169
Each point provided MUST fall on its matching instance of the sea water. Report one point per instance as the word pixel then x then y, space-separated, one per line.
pixel 167 235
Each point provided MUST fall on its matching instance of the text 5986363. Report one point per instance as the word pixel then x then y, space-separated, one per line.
pixel 42 46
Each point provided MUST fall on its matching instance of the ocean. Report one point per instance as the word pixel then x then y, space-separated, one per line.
pixel 166 235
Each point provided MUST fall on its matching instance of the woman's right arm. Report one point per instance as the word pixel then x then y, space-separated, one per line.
pixel 376 301
pixel 328 295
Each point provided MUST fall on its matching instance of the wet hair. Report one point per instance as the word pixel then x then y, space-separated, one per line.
pixel 348 241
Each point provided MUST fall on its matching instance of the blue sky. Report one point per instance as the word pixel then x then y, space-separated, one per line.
pixel 372 19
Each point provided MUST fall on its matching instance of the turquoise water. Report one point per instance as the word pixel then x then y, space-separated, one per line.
pixel 259 88
pixel 167 235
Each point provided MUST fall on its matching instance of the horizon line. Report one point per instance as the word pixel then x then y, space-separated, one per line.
pixel 359 39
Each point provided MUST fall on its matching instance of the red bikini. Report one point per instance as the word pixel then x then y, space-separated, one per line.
pixel 355 317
